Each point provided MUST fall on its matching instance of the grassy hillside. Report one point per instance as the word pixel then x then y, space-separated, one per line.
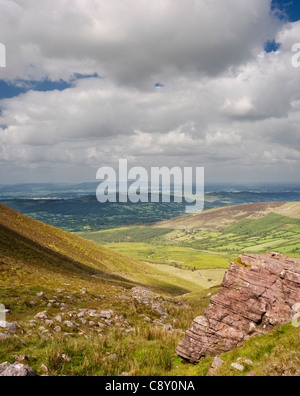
pixel 96 322
pixel 43 269
pixel 34 247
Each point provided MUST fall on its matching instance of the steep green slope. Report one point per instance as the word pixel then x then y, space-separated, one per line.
pixel 43 252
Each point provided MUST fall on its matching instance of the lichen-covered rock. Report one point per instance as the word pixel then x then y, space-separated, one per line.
pixel 258 293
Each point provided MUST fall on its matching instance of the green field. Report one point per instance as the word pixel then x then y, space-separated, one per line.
pixel 252 228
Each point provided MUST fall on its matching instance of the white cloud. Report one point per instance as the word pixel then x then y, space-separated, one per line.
pixel 225 104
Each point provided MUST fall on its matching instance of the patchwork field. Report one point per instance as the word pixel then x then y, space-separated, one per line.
pixel 212 239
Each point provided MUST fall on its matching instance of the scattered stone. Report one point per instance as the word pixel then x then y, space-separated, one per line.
pixel 249 362
pixel 45 369
pixel 40 294
pixel 41 315
pixel 237 367
pixel 217 363
pixel 142 292
pixel 11 327
pixel 57 329
pixel 69 324
pixel 107 314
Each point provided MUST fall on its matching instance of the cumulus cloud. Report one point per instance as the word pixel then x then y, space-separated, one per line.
pixel 132 42
pixel 180 83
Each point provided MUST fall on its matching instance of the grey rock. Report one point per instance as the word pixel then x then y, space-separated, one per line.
pixel 41 315
pixel 249 362
pixel 16 370
pixel 237 367
pixel 11 327
pixel 217 363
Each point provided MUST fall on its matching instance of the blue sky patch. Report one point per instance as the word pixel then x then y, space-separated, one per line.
pixel 287 9
pixel 272 46
pixel 10 90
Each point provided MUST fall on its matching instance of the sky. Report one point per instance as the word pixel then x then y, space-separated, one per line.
pixel 164 83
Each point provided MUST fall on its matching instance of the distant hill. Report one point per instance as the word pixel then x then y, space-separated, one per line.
pixel 218 219
pixel 251 228
pixel 84 213
pixel 87 214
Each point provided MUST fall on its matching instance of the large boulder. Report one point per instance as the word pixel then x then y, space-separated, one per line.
pixel 15 370
pixel 258 293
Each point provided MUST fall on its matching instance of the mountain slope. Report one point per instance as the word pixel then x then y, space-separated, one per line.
pixel 38 251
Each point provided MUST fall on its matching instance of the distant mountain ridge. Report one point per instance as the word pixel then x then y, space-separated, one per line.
pixel 220 218
pixel 85 213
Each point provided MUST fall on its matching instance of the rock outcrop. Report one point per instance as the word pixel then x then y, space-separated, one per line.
pixel 258 293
